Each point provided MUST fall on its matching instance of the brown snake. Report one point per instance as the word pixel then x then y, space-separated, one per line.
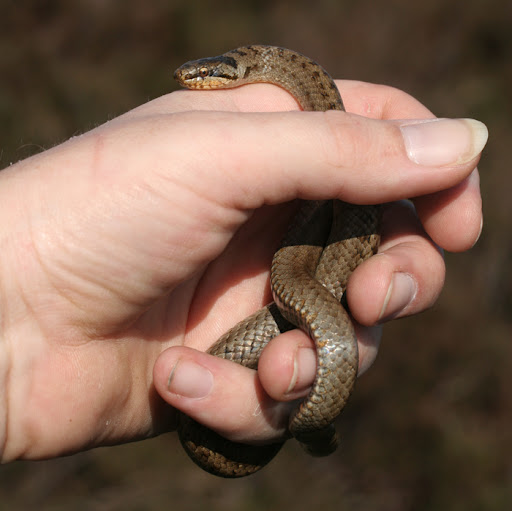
pixel 326 241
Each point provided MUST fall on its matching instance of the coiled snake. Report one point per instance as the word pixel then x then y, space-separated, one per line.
pixel 325 243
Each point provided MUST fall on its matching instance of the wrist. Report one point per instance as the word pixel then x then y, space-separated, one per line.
pixel 4 348
pixel 13 311
pixel 4 385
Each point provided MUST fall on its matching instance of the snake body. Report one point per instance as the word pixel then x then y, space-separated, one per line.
pixel 325 242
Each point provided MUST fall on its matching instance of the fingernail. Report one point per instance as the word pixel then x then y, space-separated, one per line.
pixel 438 142
pixel 480 231
pixel 190 380
pixel 401 293
pixel 474 181
pixel 304 369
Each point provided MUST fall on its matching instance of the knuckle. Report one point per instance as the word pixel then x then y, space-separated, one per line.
pixel 344 140
pixel 360 148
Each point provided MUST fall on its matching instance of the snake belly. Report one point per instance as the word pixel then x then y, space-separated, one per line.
pixel 324 244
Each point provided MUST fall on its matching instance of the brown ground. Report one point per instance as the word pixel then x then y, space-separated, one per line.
pixel 430 427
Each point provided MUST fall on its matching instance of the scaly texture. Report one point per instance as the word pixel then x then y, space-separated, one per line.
pixel 326 241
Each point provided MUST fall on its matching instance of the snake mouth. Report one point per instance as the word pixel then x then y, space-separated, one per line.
pixel 198 82
pixel 192 80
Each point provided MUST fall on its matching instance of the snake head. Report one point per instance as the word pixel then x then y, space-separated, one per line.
pixel 209 73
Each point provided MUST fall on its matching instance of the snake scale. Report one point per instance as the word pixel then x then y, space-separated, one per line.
pixel 325 242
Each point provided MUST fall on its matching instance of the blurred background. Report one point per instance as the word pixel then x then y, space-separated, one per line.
pixel 430 426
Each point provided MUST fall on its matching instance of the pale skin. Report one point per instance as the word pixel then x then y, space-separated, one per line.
pixel 135 246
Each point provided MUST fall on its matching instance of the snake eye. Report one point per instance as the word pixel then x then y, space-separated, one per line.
pixel 203 72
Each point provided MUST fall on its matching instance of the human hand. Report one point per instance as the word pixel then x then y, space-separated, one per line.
pixel 141 235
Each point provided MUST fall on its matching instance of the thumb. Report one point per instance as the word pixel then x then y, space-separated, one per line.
pixel 267 158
